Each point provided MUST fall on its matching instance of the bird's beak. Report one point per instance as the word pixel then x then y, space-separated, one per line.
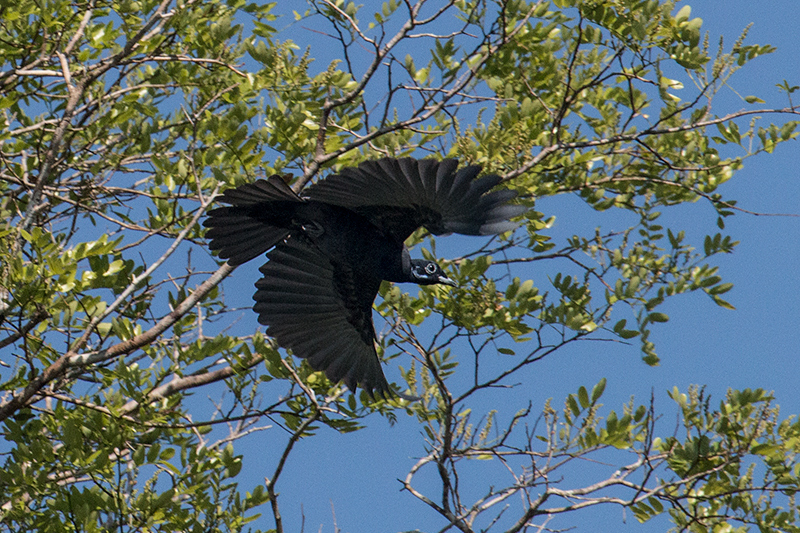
pixel 444 280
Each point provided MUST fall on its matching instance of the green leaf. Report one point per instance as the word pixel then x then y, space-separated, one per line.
pixel 573 405
pixel 657 317
pixel 583 397
pixel 597 390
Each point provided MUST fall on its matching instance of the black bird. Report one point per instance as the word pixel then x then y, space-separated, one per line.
pixel 335 244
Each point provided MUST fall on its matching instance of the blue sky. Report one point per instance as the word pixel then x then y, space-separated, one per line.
pixel 354 477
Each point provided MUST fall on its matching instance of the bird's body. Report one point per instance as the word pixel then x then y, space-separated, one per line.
pixel 331 248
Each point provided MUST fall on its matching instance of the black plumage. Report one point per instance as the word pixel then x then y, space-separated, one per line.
pixel 332 247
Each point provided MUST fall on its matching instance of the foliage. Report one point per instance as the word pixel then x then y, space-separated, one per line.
pixel 122 120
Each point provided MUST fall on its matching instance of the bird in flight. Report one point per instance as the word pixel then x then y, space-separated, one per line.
pixel 330 248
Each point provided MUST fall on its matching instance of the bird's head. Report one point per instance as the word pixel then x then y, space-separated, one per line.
pixel 428 273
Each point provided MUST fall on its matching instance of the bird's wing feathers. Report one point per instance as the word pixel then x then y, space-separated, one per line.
pixel 271 189
pixel 242 239
pixel 235 231
pixel 322 313
pixel 400 195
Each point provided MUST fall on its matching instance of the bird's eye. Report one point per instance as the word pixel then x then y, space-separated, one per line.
pixel 430 268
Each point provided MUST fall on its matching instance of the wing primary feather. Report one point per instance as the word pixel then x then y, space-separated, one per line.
pixel 445 175
pixel 505 212
pixel 462 182
pixel 427 173
pixel 485 183
pixel 411 171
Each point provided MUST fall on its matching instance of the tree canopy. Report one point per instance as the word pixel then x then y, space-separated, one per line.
pixel 131 368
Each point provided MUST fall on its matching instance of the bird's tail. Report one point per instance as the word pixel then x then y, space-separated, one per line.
pixel 245 229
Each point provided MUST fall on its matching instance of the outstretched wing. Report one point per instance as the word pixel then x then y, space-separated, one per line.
pixel 322 313
pixel 239 231
pixel 400 195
